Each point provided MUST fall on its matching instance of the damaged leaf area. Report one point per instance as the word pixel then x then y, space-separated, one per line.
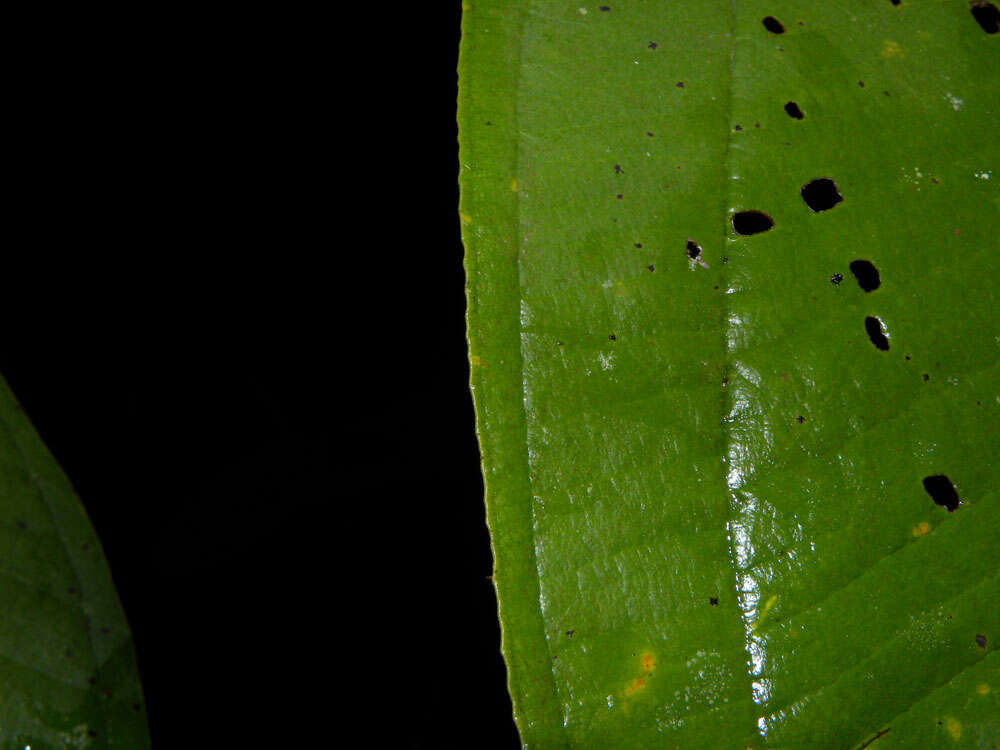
pixel 733 322
pixel 68 674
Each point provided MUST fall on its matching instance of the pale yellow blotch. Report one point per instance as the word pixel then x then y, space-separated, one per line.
pixel 892 49
pixel 648 662
pixel 475 360
pixel 983 689
pixel 768 606
pixel 921 529
pixel 466 219
pixel 513 184
pixel 621 290
pixel 954 727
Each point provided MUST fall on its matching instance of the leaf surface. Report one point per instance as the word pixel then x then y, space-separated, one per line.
pixel 68 676
pixel 710 457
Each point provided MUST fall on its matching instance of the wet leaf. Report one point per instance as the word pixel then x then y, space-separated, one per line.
pixel 747 495
pixel 68 676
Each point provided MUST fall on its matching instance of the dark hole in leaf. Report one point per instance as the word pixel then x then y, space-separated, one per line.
pixel 821 194
pixel 942 491
pixel 836 278
pixel 793 110
pixel 987 15
pixel 751 222
pixel 773 25
pixel 874 328
pixel 714 601
pixel 894 2
pixel 693 250
pixel 866 274
pixel 800 419
pixel 981 641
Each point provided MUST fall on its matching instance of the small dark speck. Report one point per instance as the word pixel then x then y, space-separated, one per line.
pixel 802 23
pixel 861 84
pixel 926 377
pixel 981 641
pixel 611 337
pixel 488 122
pixel 136 707
pixel 570 633
pixel 653 45
pixel 680 84
pixel 693 250
pixel 836 278
pixel 737 127
pixel 605 8
pixel 800 419
pixel 907 357
pixel 91 733
pixel 84 546
pixel 725 258
pixel 650 268
pixel 649 134
pixel 105 629
pixel 886 93
pixel 618 168
pixel 756 124
pixel 934 180
pixel 638 245
pixel 619 196
pixel 71 590
pixel 773 25
pixel 714 601
pixel 22 525
pixel 894 2
pixel 91 680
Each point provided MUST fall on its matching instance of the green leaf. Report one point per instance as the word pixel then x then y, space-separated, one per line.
pixel 706 475
pixel 68 676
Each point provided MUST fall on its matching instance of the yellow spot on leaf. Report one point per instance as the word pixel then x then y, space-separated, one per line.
pixel 639 684
pixel 648 662
pixel 983 689
pixel 513 184
pixel 921 529
pixel 475 360
pixel 954 727
pixel 892 49
pixel 769 604
pixel 466 219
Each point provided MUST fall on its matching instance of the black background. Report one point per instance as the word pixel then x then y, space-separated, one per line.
pixel 234 310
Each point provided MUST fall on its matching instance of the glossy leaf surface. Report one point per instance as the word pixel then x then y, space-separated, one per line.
pixel 710 455
pixel 68 676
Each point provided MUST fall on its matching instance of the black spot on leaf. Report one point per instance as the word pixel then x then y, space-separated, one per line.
pixel 987 15
pixel 693 250
pixel 874 328
pixel 821 194
pixel 866 274
pixel 714 601
pixel 981 641
pixel 836 278
pixel 793 110
pixel 942 491
pixel 751 222
pixel 773 25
